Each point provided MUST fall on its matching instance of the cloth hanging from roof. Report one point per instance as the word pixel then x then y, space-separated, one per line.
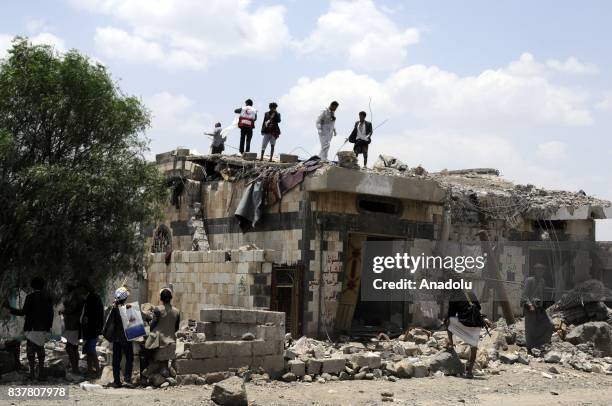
pixel 268 188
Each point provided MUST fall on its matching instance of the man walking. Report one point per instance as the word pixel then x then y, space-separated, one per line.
pixel 270 130
pixel 326 127
pixel 38 312
pixel 361 137
pixel 246 123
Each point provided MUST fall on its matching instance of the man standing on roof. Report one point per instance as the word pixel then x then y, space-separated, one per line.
pixel 246 123
pixel 218 142
pixel 270 129
pixel 361 137
pixel 326 127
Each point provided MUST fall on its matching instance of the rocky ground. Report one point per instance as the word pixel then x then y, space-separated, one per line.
pixel 414 368
pixel 515 384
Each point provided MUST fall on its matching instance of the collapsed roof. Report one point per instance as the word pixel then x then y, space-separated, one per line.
pixel 480 190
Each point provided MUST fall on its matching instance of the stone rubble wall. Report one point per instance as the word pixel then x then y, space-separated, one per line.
pixel 224 348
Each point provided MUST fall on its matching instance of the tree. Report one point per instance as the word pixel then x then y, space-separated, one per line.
pixel 75 187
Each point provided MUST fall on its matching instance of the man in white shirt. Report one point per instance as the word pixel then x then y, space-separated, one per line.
pixel 326 127
pixel 246 123
pixel 361 137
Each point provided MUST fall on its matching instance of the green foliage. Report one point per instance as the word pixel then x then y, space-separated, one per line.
pixel 75 186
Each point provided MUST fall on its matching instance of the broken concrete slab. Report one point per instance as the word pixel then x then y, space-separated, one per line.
pixel 230 392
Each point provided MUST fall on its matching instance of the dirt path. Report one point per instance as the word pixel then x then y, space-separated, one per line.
pixel 516 385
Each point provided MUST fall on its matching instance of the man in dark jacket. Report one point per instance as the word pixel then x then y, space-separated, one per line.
pixel 38 312
pixel 73 307
pixel 538 325
pixel 114 332
pixel 91 324
pixel 361 137
pixel 270 130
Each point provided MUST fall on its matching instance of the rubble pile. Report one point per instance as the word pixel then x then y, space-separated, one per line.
pixel 57 364
pixel 347 159
pixel 586 302
pixel 421 353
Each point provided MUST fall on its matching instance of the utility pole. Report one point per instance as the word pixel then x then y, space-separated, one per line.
pixel 493 273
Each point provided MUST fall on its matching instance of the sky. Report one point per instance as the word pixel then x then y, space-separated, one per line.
pixel 522 86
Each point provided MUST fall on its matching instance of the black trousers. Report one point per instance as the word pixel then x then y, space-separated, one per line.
pixel 246 133
pixel 120 348
pixel 34 351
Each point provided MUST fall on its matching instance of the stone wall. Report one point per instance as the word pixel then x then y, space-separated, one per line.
pixel 200 280
pixel 224 348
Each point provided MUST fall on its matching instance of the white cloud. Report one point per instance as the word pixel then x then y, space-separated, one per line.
pixel 491 99
pixel 34 25
pixel 44 38
pixel 116 43
pixel 572 66
pixel 361 32
pixel 174 117
pixel 189 34
pixel 605 104
pixel 552 150
pixel 5 44
pixel 443 120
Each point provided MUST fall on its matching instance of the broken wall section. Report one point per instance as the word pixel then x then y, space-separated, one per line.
pixel 205 279
pixel 236 338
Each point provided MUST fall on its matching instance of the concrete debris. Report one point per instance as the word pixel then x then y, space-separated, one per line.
pixel 348 159
pixel 447 362
pixel 552 357
pixel 598 333
pixel 230 392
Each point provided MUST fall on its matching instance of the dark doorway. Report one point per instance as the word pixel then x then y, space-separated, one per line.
pixel 287 296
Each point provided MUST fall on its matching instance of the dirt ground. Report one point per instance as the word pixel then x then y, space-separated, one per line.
pixel 516 385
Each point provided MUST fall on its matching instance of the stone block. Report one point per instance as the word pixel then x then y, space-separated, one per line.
pixel 333 365
pixel 166 353
pixel 258 256
pixel 239 362
pixel 204 350
pixel 210 315
pixel 192 256
pixel 274 365
pixel 314 366
pixel 366 359
pixel 262 347
pixel 270 333
pixel 190 366
pixel 235 255
pixel 206 327
pixel 246 256
pixel 229 349
pixel 238 316
pixel 275 318
pixel 242 268
pixel 260 317
pixel 296 367
pixel 223 331
pixel 238 329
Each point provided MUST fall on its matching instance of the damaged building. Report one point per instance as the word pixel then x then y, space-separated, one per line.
pixel 287 236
